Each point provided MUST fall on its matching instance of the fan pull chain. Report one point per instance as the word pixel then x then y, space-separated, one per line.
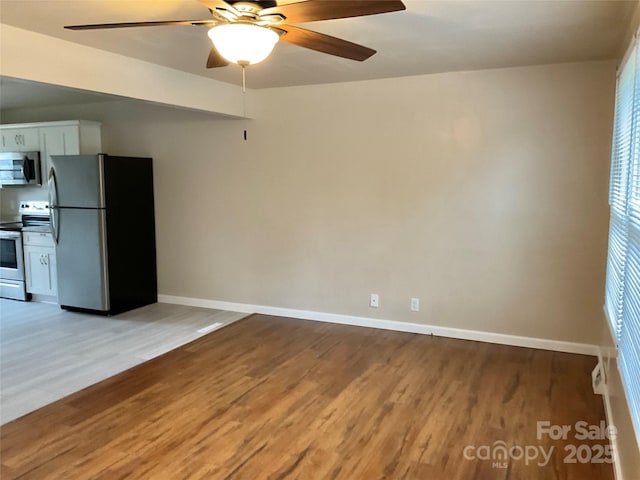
pixel 243 64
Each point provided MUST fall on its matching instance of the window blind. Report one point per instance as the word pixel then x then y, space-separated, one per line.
pixel 629 346
pixel 615 271
pixel 622 135
pixel 618 189
pixel 623 262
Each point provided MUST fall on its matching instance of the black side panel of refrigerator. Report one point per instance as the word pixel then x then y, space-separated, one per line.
pixel 131 236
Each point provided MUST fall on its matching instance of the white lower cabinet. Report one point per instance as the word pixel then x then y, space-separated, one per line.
pixel 40 264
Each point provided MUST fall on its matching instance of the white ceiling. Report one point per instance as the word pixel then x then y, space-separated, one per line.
pixel 24 94
pixel 429 37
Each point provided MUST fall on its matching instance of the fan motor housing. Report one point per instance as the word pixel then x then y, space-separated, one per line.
pixel 253 7
pixel 251 11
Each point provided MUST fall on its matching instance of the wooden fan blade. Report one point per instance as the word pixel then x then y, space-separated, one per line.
pixel 314 10
pixel 324 43
pixel 98 26
pixel 216 60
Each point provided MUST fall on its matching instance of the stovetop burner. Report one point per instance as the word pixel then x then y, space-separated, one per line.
pixel 33 214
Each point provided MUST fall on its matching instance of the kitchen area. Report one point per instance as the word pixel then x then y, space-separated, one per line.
pixel 78 281
pixel 28 267
pixel 75 236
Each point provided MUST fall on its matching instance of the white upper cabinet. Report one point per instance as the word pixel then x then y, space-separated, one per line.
pixel 68 139
pixel 20 140
pixel 72 137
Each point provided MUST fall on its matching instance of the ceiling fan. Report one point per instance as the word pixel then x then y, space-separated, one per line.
pixel 245 32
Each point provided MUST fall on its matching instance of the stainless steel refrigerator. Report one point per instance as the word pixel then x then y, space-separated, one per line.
pixel 102 218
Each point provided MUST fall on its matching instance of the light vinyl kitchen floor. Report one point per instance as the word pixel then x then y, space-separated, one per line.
pixel 47 353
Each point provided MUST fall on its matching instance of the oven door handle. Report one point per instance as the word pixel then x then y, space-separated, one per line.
pixel 53 205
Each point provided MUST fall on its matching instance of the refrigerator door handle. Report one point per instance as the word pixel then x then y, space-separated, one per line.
pixel 53 205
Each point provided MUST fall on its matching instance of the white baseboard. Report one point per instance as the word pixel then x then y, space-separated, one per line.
pixel 463 334
pixel 613 441
pixel 44 298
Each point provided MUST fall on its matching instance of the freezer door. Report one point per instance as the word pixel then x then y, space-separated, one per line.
pixel 78 180
pixel 81 257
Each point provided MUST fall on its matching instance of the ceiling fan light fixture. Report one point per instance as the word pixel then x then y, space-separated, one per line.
pixel 243 43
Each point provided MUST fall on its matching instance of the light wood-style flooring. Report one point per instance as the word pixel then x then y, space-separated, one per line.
pixel 277 398
pixel 47 353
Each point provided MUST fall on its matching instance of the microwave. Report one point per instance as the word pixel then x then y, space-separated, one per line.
pixel 20 168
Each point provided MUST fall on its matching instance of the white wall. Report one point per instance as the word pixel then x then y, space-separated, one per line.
pixel 482 193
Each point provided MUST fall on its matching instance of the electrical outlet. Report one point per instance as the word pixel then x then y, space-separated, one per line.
pixel 374 300
pixel 415 304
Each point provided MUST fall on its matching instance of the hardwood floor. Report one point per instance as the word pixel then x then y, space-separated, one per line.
pixel 47 353
pixel 277 398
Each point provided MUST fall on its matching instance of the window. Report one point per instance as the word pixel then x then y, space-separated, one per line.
pixel 623 264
